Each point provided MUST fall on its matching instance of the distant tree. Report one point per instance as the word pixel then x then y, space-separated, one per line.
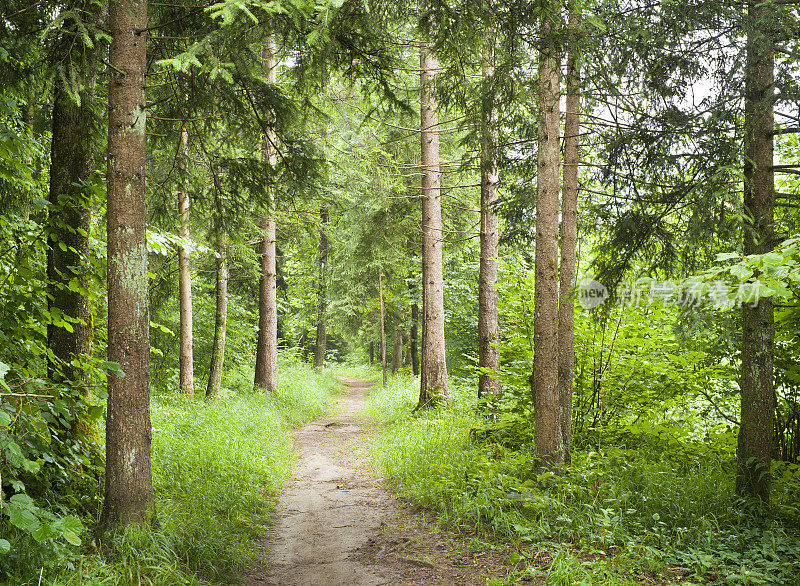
pixel 221 316
pixel 488 317
pixel 72 162
pixel 185 276
pixel 397 355
pixel 383 324
pixel 322 289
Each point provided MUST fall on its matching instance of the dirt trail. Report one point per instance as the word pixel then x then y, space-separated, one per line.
pixel 336 524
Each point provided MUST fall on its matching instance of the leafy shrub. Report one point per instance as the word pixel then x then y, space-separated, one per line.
pixel 643 506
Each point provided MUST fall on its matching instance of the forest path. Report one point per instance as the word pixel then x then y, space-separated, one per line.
pixel 336 524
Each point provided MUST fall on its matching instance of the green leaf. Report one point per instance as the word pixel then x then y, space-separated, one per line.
pixel 741 272
pixel 31 466
pixel 5 546
pixel 22 500
pixel 23 519
pixel 4 368
pixel 112 367
pixel 5 419
pixel 42 532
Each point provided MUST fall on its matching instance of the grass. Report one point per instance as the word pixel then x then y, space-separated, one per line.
pixel 215 467
pixel 627 515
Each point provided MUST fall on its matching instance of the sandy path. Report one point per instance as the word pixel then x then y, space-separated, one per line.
pixel 336 524
pixel 331 508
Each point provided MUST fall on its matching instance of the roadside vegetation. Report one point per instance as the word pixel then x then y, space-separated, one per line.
pixel 639 503
pixel 216 466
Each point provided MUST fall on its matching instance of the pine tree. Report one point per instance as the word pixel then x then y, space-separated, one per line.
pixel 758 323
pixel 70 212
pixel 266 371
pixel 128 481
pixel 569 237
pixel 488 316
pixel 186 371
pixel 544 380
pixel 433 387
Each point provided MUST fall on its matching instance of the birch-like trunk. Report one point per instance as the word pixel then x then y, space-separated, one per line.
pixel 128 479
pixel 185 279
pixel 754 450
pixel 544 379
pixel 569 240
pixel 266 375
pixel 433 387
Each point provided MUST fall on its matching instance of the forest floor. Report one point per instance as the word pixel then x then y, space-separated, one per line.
pixel 336 523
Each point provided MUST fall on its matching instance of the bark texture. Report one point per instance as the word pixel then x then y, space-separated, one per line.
pixel 69 215
pixel 322 291
pixel 758 326
pixel 128 483
pixel 569 240
pixel 488 317
pixel 266 375
pixel 220 320
pixel 544 380
pixel 185 279
pixel 433 387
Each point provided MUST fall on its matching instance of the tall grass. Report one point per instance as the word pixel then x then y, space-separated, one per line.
pixel 607 518
pixel 215 466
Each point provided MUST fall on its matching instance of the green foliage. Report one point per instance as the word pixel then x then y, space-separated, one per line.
pixel 666 500
pixel 213 463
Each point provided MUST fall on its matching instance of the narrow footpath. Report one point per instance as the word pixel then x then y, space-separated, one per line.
pixel 336 524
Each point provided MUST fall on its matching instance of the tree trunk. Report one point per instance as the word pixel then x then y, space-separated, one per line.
pixel 414 325
pixel 371 351
pixel 569 240
pixel 220 321
pixel 433 387
pixel 383 326
pixel 758 327
pixel 544 379
pixel 69 215
pixel 322 341
pixel 185 278
pixel 266 375
pixel 422 375
pixel 128 484
pixel 397 356
pixel 488 317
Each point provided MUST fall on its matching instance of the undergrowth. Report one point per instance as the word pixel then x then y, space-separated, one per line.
pixel 626 514
pixel 215 466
